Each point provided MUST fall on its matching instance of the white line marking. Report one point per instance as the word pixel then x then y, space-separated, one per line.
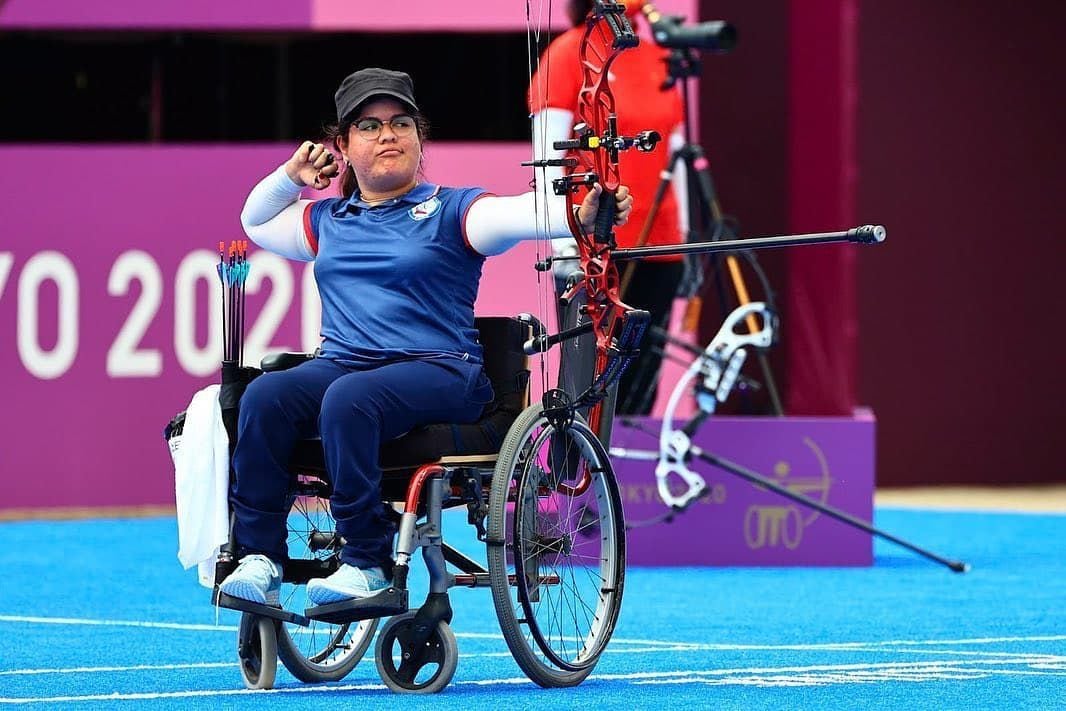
pixel 752 676
pixel 1034 658
pixel 668 645
pixel 1040 664
pixel 188 694
pixel 1040 660
pixel 861 646
pixel 848 677
pixel 112 669
pixel 74 621
pixel 970 640
pixel 117 623
pixel 213 665
pixel 937 664
pixel 1029 657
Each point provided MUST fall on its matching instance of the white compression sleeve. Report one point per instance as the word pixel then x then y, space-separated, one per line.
pixel 273 217
pixel 495 224
pixel 550 125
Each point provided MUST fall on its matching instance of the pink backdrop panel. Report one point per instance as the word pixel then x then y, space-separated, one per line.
pixel 487 16
pixel 157 14
pixel 106 281
pixel 328 15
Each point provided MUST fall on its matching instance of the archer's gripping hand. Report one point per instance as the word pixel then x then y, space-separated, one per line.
pixel 312 165
pixel 586 213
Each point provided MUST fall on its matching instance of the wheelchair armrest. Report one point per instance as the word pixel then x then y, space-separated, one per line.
pixel 283 361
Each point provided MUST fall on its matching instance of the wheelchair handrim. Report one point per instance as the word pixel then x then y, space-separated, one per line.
pixel 607 501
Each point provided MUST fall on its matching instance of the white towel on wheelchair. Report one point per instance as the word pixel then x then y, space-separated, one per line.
pixel 201 484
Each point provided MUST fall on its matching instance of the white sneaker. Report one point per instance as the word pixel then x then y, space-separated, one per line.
pixel 256 579
pixel 347 583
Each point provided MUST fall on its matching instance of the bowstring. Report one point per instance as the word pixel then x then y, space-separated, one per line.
pixel 545 284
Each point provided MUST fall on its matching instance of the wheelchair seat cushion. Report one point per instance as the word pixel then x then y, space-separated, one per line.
pixel 506 366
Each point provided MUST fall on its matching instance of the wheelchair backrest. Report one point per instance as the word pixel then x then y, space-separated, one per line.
pixel 506 364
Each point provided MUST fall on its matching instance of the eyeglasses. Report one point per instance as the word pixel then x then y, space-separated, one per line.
pixel 369 129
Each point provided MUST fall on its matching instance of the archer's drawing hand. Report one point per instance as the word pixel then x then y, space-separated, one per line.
pixel 586 213
pixel 312 165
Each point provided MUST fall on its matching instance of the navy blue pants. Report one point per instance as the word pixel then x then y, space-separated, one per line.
pixel 354 410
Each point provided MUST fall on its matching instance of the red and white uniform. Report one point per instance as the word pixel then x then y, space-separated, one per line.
pixel 636 80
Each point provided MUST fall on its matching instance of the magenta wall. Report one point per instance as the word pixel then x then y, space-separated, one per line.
pixel 822 346
pixel 958 131
pixel 962 154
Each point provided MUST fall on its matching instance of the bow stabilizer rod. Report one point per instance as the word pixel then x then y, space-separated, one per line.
pixel 867 234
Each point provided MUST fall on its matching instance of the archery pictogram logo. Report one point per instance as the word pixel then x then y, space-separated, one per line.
pixel 769 526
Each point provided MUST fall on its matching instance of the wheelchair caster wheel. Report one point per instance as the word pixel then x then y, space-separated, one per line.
pixel 257 650
pixel 426 663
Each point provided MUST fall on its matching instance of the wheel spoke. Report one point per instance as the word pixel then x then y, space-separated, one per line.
pixel 320 651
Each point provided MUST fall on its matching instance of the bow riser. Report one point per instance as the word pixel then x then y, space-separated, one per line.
pixel 597 147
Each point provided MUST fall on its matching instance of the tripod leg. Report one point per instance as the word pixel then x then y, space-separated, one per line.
pixel 753 477
pixel 698 171
pixel 700 168
pixel 764 362
pixel 704 221
pixel 639 387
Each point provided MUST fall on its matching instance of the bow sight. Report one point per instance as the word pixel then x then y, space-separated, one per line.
pixel 587 140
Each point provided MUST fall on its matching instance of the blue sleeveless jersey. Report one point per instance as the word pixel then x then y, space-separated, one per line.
pixel 397 280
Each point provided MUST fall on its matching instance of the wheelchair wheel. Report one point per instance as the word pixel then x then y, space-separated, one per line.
pixel 257 650
pixel 320 651
pixel 558 568
pixel 425 667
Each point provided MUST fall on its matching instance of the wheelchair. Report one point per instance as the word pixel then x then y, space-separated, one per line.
pixel 542 497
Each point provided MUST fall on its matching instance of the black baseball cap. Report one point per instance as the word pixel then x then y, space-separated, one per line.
pixel 359 86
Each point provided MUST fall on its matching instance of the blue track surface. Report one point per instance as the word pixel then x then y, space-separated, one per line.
pixel 98 614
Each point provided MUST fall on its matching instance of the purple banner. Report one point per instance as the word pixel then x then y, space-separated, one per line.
pixel 830 460
pixel 110 313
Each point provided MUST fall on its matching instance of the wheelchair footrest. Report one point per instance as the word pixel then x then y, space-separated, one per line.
pixel 255 608
pixel 390 601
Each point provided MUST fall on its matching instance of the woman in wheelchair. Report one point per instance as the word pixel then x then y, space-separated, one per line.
pixel 397 261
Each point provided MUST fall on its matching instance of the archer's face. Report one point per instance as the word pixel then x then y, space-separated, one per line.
pixel 389 160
